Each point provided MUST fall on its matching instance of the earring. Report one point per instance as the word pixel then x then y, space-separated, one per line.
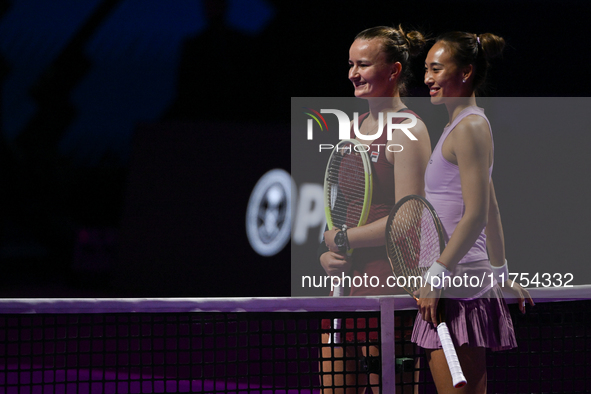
pixel 464 80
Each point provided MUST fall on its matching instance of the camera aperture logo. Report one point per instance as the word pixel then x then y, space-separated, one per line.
pixel 345 124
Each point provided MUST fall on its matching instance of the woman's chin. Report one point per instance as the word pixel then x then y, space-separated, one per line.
pixel 437 100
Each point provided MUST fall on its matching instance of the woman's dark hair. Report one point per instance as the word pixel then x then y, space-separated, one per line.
pixel 398 46
pixel 468 48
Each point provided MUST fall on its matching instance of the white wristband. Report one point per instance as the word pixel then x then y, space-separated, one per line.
pixel 438 270
pixel 501 273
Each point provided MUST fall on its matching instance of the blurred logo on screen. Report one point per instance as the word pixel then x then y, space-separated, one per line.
pixel 269 213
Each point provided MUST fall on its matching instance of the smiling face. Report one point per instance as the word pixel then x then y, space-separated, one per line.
pixel 444 77
pixel 370 72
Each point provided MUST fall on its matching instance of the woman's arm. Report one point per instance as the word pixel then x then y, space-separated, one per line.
pixel 495 244
pixel 495 240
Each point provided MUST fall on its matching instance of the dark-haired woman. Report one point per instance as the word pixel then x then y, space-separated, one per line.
pixel 458 184
pixel 379 67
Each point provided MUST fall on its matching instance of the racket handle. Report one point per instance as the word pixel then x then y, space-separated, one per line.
pixel 451 356
pixel 337 292
pixel 337 335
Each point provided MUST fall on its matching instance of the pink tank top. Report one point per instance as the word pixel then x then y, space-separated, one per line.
pixel 444 190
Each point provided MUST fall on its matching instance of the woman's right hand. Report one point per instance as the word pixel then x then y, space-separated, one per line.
pixel 427 302
pixel 335 264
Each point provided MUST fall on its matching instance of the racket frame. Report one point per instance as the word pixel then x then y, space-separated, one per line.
pixel 368 189
pixel 458 378
pixel 438 227
pixel 368 183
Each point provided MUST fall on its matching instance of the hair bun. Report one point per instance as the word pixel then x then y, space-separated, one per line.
pixel 492 45
pixel 416 42
pixel 415 39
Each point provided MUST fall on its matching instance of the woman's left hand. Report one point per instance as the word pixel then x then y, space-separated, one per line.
pixel 427 302
pixel 519 293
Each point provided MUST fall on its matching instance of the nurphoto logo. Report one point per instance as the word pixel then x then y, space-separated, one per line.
pixel 345 124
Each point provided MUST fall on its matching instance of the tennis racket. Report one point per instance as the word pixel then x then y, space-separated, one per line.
pixel 347 194
pixel 415 240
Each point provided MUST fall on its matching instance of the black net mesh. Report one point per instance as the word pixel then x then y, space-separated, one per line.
pixel 270 352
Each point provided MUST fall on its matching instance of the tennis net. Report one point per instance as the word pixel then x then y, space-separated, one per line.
pixel 269 345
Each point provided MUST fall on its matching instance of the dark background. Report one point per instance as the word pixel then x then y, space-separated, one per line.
pixel 134 130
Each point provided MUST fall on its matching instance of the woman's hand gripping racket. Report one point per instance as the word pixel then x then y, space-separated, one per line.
pixel 347 194
pixel 415 240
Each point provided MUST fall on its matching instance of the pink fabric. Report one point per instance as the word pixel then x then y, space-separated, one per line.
pixel 481 322
pixel 444 191
pixel 470 280
pixel 475 312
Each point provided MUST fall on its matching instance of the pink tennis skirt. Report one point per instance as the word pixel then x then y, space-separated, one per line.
pixel 481 322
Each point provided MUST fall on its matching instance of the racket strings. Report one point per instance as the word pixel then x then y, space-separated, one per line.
pixel 414 239
pixel 412 242
pixel 346 176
